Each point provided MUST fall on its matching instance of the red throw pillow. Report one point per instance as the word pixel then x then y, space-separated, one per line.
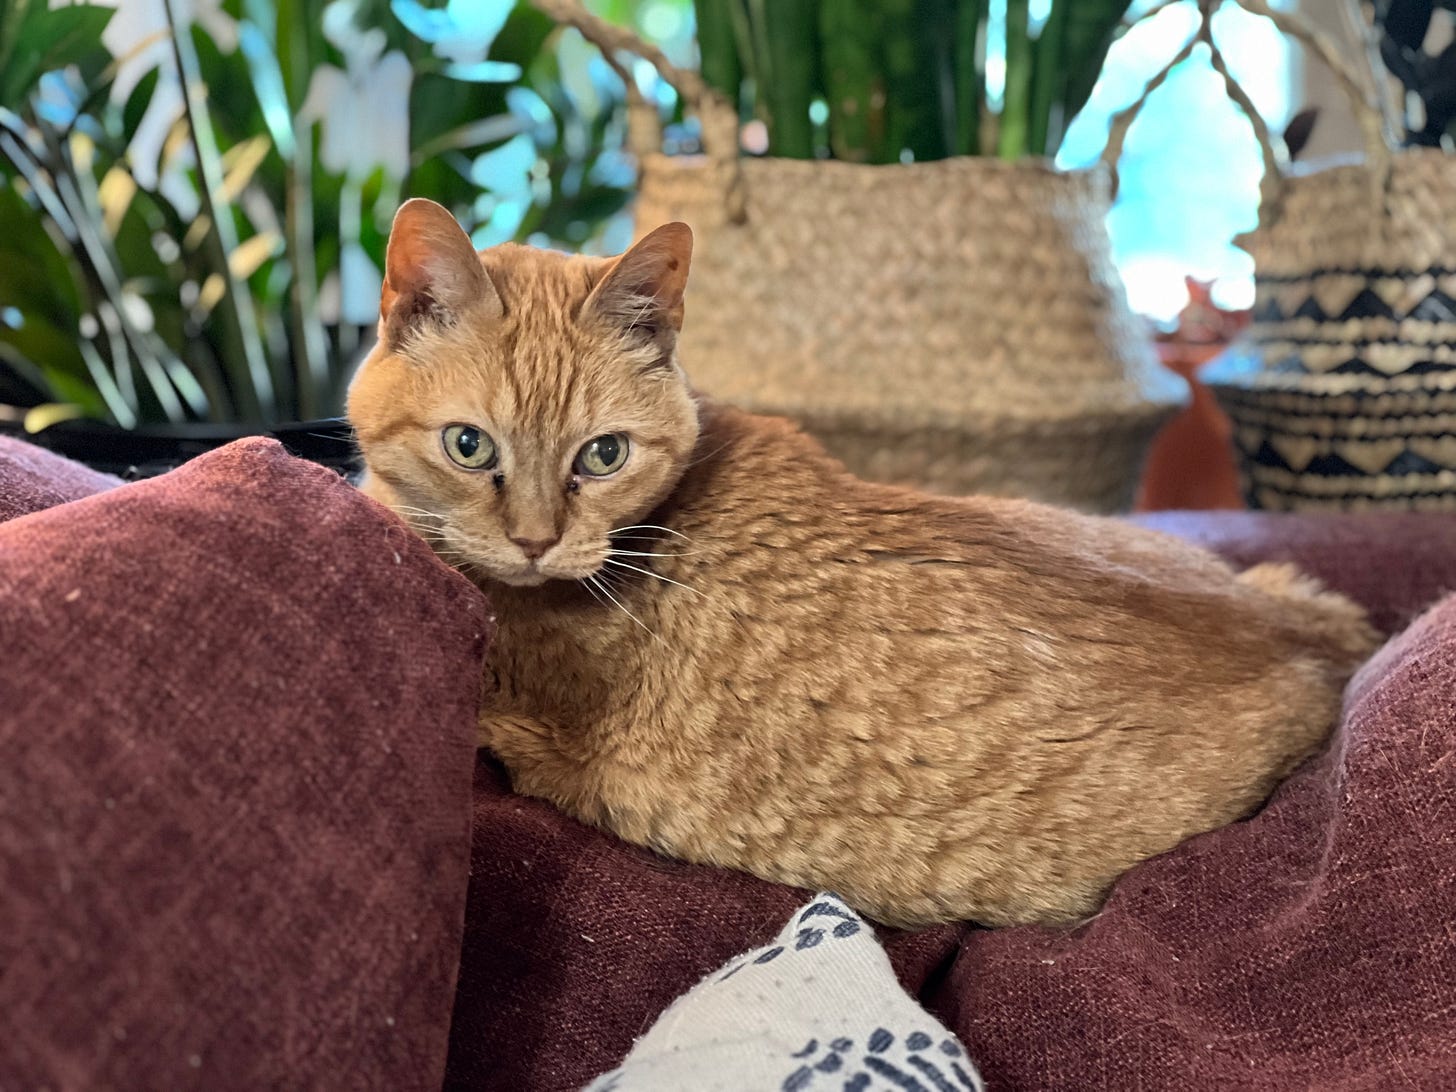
pixel 32 478
pixel 237 717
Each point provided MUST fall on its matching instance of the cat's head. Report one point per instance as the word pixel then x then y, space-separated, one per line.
pixel 522 404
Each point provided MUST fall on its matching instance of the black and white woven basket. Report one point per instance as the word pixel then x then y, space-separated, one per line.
pixel 1340 441
pixel 1344 396
pixel 1353 404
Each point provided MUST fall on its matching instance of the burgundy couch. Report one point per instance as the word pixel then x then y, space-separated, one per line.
pixel 240 847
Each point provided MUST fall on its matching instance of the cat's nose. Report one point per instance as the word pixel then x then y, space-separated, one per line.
pixel 533 548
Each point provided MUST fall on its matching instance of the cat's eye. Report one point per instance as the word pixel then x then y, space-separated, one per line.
pixel 469 447
pixel 602 456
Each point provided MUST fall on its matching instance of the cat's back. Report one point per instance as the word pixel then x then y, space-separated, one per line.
pixel 987 672
pixel 775 517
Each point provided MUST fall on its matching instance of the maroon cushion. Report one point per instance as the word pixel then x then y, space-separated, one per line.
pixel 1309 947
pixel 237 717
pixel 1395 564
pixel 32 478
pixel 576 942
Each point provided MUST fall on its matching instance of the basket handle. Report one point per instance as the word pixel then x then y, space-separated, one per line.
pixel 717 116
pixel 1365 106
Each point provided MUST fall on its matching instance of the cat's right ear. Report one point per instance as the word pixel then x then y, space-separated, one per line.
pixel 642 291
pixel 431 273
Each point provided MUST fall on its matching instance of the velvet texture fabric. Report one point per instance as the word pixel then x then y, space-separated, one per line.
pixel 237 711
pixel 233 818
pixel 1308 947
pixel 32 478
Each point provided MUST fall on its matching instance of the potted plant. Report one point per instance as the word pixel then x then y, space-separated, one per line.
pixel 196 198
pixel 905 271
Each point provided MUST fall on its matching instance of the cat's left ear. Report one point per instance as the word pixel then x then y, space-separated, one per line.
pixel 643 292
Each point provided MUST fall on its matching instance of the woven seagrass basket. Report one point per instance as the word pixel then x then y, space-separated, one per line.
pixel 956 325
pixel 1346 395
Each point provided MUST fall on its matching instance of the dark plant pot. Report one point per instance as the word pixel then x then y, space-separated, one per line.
pixel 148 451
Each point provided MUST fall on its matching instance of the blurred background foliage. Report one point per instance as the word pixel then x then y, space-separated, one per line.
pixel 216 255
pixel 886 81
pixel 197 193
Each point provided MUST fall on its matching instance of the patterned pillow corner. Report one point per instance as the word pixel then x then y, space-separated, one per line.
pixel 817 1008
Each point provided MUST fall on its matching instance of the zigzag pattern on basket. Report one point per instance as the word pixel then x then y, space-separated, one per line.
pixel 1360 321
pixel 1319 442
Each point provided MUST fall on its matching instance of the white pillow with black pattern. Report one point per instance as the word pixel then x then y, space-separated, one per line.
pixel 817 1009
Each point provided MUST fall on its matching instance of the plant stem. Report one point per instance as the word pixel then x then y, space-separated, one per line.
pixel 717 49
pixel 911 37
pixel 351 221
pixel 1011 142
pixel 1048 80
pixel 743 41
pixel 847 34
pixel 792 39
pixel 309 344
pixel 757 17
pixel 251 381
pixel 970 79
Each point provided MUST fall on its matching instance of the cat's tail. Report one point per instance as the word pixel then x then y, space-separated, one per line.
pixel 1336 625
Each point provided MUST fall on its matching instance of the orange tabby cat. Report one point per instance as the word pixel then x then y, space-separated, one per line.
pixel 717 643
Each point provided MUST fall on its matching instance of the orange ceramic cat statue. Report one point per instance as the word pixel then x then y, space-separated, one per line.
pixel 717 643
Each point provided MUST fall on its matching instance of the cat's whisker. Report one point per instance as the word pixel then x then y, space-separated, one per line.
pixel 601 584
pixel 648 527
pixel 585 583
pixel 607 579
pixel 655 576
pixel 710 455
pixel 646 553
pixel 405 509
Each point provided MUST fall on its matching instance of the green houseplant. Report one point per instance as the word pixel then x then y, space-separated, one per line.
pixel 934 315
pixel 878 82
pixel 196 209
